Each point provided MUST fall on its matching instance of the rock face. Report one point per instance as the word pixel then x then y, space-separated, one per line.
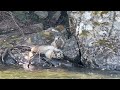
pixel 31 21
pixel 98 32
pixel 40 28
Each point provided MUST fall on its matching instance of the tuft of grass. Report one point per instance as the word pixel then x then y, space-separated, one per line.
pixel 85 33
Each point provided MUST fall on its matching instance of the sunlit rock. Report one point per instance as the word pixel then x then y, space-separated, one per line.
pixel 89 27
pixel 117 25
pixel 87 15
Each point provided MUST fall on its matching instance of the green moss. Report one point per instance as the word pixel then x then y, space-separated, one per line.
pixel 96 23
pixel 96 12
pixel 105 23
pixel 106 43
pixel 103 12
pixel 100 12
pixel 84 33
pixel 102 42
pixel 82 12
pixel 47 35
pixel 6 42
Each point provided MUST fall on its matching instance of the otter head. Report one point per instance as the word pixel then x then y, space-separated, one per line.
pixel 58 54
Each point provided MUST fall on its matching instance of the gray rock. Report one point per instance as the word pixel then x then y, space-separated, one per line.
pixel 101 39
pixel 41 14
pixel 71 48
pixel 36 38
pixel 38 27
pixel 56 16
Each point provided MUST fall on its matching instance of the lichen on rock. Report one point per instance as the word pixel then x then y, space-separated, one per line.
pixel 101 46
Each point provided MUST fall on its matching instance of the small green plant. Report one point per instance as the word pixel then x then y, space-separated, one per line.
pixel 96 12
pixel 96 23
pixel 84 33
pixel 103 12
pixel 100 12
pixel 105 23
pixel 106 43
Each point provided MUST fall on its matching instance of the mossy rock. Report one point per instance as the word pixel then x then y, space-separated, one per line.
pixel 85 33
pixel 103 12
pixel 96 12
pixel 105 23
pixel 106 43
pixel 96 23
pixel 47 35
pixel 5 44
pixel 100 12
pixel 102 42
pixel 59 28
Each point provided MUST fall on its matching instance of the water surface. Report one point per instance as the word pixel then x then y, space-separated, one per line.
pixel 57 73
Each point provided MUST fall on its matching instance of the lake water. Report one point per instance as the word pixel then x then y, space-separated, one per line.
pixel 57 73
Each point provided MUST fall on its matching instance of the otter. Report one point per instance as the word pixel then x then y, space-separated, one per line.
pixel 49 51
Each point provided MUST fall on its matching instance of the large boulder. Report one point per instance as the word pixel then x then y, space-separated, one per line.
pixel 98 32
pixel 70 48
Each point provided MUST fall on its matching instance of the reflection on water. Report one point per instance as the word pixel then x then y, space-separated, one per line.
pixel 57 73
